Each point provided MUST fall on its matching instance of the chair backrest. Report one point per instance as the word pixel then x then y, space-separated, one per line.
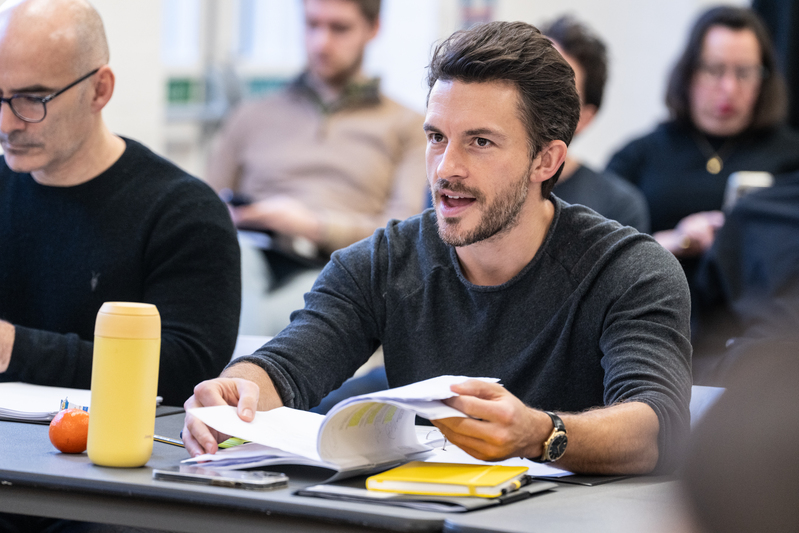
pixel 702 398
pixel 247 344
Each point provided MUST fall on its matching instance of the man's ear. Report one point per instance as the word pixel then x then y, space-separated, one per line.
pixel 587 114
pixel 103 88
pixel 375 29
pixel 548 161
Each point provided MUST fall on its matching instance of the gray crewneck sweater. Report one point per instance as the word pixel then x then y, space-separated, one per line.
pixel 599 316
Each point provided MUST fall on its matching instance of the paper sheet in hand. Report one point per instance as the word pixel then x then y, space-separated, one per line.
pixel 361 434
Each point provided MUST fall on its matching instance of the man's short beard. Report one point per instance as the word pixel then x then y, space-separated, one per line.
pixel 499 217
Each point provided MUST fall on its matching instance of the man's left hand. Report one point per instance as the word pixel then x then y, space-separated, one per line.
pixel 501 425
pixel 7 334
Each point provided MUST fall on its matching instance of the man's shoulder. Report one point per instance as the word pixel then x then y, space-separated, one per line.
pixel 413 240
pixel 620 188
pixel 411 233
pixel 157 177
pixel 584 241
pixel 259 109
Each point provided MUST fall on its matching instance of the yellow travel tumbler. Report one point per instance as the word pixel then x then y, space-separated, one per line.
pixel 127 347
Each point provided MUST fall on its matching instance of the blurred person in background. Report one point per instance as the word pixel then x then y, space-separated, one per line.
pixel 728 106
pixel 605 193
pixel 747 285
pixel 741 475
pixel 319 166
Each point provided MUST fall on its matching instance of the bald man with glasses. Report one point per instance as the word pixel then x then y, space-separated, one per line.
pixel 87 216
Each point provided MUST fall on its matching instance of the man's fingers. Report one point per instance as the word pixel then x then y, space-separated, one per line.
pixel 479 399
pixel 464 436
pixel 248 394
pixel 197 437
pixel 481 389
pixel 464 426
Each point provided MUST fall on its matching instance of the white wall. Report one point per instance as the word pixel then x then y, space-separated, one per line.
pixel 134 35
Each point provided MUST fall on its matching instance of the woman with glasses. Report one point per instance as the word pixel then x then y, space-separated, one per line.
pixel 728 104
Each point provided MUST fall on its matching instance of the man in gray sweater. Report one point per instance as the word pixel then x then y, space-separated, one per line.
pixel 573 312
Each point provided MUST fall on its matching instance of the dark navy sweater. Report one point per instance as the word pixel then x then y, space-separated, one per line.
pixel 142 231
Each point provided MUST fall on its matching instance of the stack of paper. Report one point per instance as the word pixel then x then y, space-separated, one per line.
pixel 37 403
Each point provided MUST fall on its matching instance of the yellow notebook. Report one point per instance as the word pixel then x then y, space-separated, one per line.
pixel 449 479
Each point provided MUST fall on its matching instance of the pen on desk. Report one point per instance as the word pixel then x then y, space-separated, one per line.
pixel 167 440
pixel 232 441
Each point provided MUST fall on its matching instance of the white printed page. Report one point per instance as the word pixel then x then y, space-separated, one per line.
pixel 423 398
pixel 284 428
pixel 378 428
pixel 450 453
pixel 369 433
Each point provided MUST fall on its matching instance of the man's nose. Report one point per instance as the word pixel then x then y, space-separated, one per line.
pixel 8 120
pixel 452 163
pixel 320 39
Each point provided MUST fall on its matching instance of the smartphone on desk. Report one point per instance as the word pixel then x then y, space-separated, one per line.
pixel 239 479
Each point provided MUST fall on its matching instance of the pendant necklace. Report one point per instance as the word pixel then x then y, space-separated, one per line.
pixel 715 158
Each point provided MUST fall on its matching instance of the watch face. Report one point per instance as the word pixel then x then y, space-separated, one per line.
pixel 557 446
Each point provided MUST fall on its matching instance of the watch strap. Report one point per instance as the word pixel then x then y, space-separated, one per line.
pixel 556 421
pixel 558 426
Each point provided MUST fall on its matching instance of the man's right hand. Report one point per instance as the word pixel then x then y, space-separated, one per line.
pixel 242 393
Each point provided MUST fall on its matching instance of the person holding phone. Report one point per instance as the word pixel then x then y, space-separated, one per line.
pixel 728 106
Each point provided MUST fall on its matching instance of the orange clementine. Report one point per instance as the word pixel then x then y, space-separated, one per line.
pixel 69 430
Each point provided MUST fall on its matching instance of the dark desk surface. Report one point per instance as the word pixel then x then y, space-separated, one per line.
pixel 36 479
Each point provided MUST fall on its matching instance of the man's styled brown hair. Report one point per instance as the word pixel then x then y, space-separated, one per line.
pixel 370 9
pixel 516 53
pixel 771 106
pixel 578 41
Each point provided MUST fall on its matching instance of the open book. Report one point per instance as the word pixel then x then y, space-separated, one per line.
pixel 360 435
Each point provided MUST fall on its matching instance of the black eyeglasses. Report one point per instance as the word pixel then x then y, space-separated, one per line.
pixel 33 108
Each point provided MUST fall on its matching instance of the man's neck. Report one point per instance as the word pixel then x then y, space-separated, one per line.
pixel 328 90
pixel 93 157
pixel 497 260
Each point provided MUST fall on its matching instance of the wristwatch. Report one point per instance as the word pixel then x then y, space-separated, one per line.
pixel 555 445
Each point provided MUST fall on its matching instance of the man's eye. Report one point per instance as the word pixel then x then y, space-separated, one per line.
pixel 436 137
pixel 480 141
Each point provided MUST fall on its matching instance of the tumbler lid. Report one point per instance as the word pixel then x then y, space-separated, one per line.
pixel 128 320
